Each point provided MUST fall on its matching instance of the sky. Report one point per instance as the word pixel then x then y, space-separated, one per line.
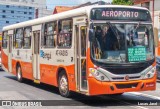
pixel 52 3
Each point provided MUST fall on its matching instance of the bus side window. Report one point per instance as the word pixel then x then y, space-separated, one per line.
pixel 27 38
pixel 64 33
pixel 4 39
pixel 19 38
pixel 49 39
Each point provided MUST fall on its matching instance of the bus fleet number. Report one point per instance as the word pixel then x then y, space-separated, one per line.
pixel 62 53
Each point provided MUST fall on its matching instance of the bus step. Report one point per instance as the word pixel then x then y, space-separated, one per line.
pixel 84 84
pixel 36 81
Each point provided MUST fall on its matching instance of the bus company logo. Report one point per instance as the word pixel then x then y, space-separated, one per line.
pixel 41 53
pixel 45 55
pixel 126 77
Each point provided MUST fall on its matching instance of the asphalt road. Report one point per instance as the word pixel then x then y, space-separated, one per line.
pixel 11 89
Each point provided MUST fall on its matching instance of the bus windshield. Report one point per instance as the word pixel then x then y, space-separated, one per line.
pixel 122 42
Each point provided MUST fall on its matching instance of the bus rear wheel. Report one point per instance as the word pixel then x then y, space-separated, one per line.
pixel 63 84
pixel 19 74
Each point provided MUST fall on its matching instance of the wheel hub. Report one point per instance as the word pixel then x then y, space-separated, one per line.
pixel 19 74
pixel 63 84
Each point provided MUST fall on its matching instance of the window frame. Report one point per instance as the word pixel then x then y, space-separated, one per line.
pixel 7 22
pixel 5 40
pixel 12 11
pixel 3 16
pixel 7 6
pixel 43 44
pixel 15 39
pixel 30 18
pixel 59 30
pixel 29 47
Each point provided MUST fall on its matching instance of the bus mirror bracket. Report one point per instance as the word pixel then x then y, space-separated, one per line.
pixel 156 40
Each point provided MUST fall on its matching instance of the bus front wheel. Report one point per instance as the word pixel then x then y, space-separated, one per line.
pixel 63 84
pixel 19 74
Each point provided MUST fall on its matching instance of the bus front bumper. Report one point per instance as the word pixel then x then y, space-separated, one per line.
pixel 97 87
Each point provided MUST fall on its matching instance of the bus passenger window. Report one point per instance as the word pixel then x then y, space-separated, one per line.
pixel 65 33
pixel 27 37
pixel 50 35
pixel 5 40
pixel 19 38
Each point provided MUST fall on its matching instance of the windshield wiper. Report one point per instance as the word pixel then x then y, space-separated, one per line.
pixel 117 36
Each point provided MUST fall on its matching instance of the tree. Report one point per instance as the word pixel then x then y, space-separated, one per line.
pixel 122 2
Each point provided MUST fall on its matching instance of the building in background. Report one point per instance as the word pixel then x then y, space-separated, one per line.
pixel 11 14
pixel 15 11
pixel 153 6
pixel 150 4
pixel 59 9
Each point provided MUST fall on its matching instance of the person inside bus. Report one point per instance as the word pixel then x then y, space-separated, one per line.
pixel 97 42
pixel 134 31
pixel 130 39
pixel 146 37
pixel 109 39
pixel 98 35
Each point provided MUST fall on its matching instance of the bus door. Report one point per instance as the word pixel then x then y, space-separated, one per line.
pixel 35 53
pixel 10 34
pixel 80 41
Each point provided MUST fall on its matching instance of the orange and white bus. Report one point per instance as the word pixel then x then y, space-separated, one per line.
pixel 92 50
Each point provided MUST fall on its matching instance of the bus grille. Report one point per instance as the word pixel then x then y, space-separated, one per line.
pixel 125 70
pixel 122 78
pixel 123 86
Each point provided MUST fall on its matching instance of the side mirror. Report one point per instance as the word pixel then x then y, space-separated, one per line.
pixel 91 34
pixel 156 40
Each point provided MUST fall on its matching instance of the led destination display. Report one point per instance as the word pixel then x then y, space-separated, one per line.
pixel 120 14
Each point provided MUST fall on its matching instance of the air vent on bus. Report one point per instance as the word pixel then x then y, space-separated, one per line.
pixel 123 86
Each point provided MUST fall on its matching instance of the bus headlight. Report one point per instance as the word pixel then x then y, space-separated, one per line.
pixel 150 73
pixel 98 75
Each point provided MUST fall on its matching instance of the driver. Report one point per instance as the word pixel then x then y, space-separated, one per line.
pixel 99 36
pixel 109 38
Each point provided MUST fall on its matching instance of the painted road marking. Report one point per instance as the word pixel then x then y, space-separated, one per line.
pixel 123 102
pixel 146 95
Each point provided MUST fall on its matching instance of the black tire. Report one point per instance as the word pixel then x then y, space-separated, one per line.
pixel 19 74
pixel 63 84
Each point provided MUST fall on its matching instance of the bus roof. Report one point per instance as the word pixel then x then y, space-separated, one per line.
pixel 66 14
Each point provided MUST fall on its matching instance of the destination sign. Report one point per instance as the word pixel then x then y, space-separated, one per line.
pixel 137 54
pixel 120 14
